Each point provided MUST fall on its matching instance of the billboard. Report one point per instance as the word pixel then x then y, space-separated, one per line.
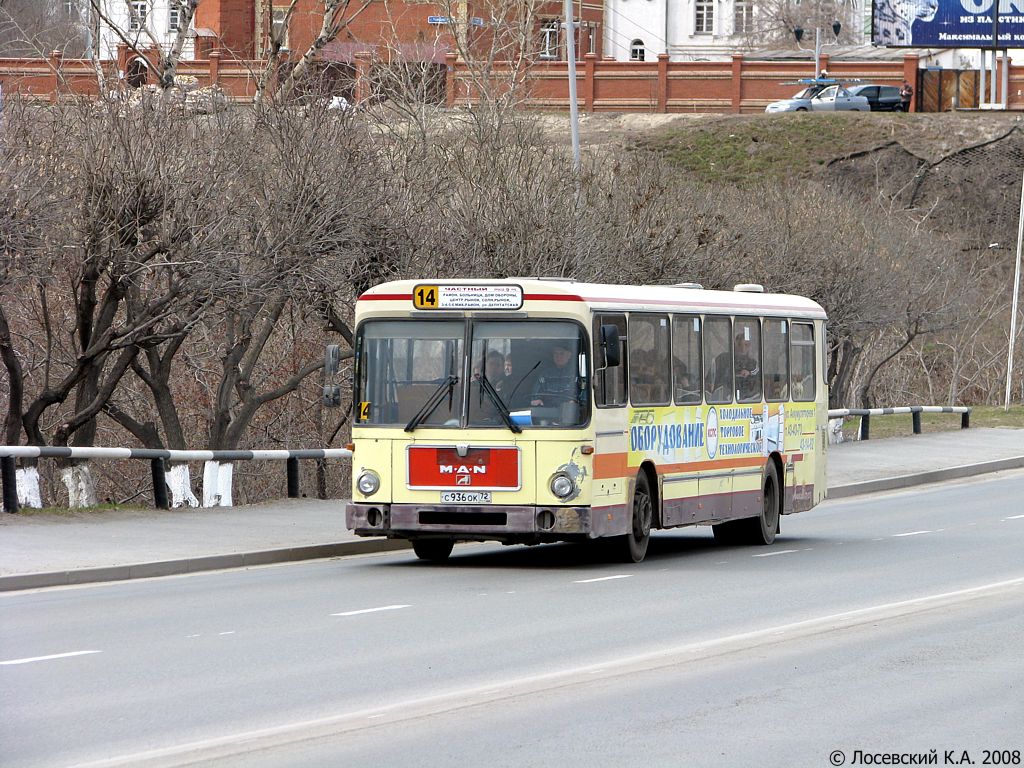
pixel 946 23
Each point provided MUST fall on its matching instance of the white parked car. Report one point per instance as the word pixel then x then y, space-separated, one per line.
pixel 821 97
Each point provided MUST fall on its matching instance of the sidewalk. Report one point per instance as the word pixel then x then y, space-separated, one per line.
pixel 38 551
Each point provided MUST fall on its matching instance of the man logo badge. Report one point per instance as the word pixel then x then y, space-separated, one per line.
pixel 462 479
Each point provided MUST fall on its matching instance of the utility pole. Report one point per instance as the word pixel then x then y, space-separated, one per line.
pixel 1016 292
pixel 574 113
pixel 798 33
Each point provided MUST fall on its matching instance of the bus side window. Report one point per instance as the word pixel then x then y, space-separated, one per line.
pixel 718 360
pixel 776 360
pixel 747 359
pixel 802 361
pixel 686 367
pixel 609 384
pixel 649 370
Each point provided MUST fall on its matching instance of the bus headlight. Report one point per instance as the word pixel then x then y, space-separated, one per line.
pixel 368 482
pixel 562 485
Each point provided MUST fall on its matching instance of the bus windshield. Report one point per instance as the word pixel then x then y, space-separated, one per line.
pixel 517 374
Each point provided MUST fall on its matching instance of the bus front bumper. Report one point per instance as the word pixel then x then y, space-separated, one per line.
pixel 490 522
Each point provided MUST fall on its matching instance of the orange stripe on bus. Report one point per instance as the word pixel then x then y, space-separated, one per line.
pixel 607 465
pixel 613 465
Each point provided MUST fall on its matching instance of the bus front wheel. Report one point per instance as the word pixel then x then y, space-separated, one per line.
pixel 639 535
pixel 434 550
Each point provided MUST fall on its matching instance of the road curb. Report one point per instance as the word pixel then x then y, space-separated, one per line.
pixel 367 546
pixel 196 564
pixel 924 478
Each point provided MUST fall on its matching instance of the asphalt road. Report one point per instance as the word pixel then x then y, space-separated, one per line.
pixel 889 624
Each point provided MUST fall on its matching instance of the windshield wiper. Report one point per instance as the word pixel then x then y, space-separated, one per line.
pixel 446 389
pixel 488 389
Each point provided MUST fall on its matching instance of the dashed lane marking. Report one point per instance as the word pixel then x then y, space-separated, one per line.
pixel 371 610
pixel 780 552
pixel 32 659
pixel 605 578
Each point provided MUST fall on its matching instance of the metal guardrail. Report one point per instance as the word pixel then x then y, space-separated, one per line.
pixel 157 459
pixel 914 410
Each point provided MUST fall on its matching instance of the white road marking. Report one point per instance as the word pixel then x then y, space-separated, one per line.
pixel 227 633
pixel 911 533
pixel 47 658
pixel 604 578
pixel 1015 517
pixel 429 704
pixel 780 552
pixel 372 610
pixel 189 637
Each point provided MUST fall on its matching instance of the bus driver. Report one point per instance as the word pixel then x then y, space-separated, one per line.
pixel 559 381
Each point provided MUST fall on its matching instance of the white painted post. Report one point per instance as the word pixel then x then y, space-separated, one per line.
pixel 179 483
pixel 81 485
pixel 27 483
pixel 217 484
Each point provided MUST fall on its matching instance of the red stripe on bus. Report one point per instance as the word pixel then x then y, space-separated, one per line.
pixel 526 297
pixel 552 297
pixel 386 297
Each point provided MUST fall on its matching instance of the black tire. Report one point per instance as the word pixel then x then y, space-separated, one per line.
pixel 761 530
pixel 801 109
pixel 641 519
pixel 433 550
pixel 727 533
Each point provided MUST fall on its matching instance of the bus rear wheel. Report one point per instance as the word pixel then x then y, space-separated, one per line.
pixel 639 536
pixel 434 550
pixel 760 529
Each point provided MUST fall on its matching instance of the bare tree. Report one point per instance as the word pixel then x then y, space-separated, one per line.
pixel 35 28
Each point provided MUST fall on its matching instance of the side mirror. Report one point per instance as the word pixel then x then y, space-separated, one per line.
pixel 611 346
pixel 332 359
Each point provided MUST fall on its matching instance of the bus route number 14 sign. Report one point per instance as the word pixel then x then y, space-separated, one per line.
pixel 467 297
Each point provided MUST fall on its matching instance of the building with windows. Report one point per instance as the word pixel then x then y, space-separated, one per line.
pixel 695 30
pixel 639 30
pixel 139 23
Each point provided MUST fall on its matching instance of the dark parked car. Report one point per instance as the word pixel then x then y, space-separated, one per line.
pixel 882 98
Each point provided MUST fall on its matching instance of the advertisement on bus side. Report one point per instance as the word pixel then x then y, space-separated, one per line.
pixel 670 435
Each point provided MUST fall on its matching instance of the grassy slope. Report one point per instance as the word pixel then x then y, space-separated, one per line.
pixel 744 148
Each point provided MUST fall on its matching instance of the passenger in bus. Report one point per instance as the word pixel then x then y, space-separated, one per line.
pixel 686 388
pixel 481 407
pixel 748 371
pixel 558 381
pixel 775 387
pixel 641 378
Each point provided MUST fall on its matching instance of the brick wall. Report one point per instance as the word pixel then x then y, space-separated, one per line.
pixel 737 86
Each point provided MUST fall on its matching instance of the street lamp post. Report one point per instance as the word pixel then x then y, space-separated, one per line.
pixel 798 33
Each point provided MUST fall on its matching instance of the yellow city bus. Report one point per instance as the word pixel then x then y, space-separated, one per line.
pixel 538 410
